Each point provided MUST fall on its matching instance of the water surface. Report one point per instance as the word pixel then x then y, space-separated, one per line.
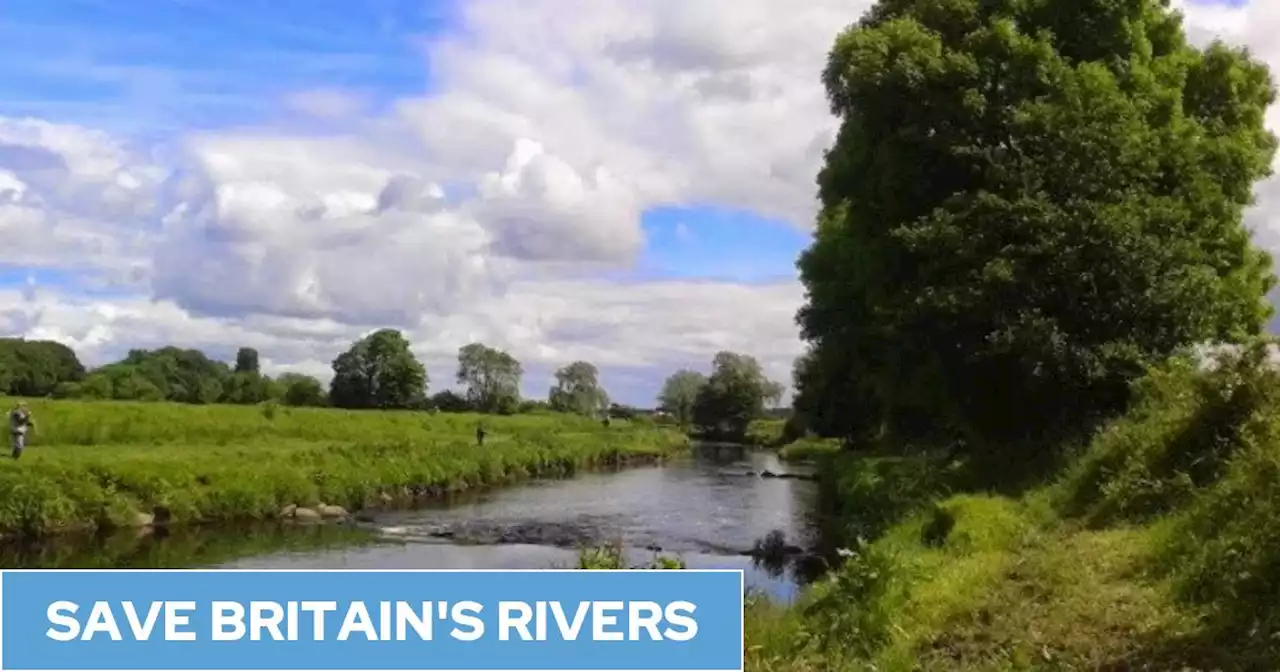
pixel 706 508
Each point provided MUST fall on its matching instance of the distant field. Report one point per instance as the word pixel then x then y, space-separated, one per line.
pixel 100 464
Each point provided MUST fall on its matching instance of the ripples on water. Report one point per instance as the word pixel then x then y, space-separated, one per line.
pixel 703 508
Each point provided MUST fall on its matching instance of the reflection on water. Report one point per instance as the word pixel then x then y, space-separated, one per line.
pixel 703 508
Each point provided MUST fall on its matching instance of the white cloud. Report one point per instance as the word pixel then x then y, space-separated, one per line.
pixel 326 103
pixel 476 213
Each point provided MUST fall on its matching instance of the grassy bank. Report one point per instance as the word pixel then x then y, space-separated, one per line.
pixel 1155 550
pixel 98 464
pixel 182 547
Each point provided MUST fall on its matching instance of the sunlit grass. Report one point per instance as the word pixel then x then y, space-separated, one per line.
pixel 96 464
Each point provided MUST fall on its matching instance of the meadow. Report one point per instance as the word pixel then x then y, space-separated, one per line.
pixel 99 465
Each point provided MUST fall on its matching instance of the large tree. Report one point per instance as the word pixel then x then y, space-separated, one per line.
pixel 491 378
pixel 378 371
pixel 36 368
pixel 247 361
pixel 736 393
pixel 578 390
pixel 680 393
pixel 1027 202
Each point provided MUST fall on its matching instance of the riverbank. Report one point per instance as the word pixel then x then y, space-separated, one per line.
pixel 106 465
pixel 1154 549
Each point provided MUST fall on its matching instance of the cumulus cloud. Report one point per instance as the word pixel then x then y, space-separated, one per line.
pixel 477 212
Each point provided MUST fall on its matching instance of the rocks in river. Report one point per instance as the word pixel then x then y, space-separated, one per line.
pixel 773 474
pixel 332 511
pixel 799 477
pixel 562 535
pixel 306 515
pixel 318 512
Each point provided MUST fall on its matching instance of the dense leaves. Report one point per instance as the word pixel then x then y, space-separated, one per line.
pixel 578 390
pixel 490 377
pixel 736 393
pixel 680 393
pixel 378 371
pixel 36 368
pixel 1028 202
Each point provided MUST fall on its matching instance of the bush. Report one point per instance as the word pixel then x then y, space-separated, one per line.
pixel 1189 418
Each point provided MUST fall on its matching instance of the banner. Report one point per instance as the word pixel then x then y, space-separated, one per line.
pixel 371 620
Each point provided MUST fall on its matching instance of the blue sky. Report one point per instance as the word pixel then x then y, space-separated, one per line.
pixel 154 69
pixel 154 74
pixel 703 120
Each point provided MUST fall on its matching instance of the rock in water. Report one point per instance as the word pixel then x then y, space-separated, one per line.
pixel 306 514
pixel 332 511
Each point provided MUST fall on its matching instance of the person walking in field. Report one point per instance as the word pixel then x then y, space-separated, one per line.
pixel 479 435
pixel 20 423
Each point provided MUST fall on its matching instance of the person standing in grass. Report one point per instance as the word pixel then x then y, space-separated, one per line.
pixel 480 435
pixel 20 423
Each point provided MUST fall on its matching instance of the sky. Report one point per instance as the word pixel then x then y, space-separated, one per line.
pixel 622 181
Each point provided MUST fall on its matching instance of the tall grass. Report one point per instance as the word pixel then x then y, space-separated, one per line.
pixel 1157 549
pixel 97 464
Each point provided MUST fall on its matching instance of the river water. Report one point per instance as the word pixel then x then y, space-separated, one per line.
pixel 708 508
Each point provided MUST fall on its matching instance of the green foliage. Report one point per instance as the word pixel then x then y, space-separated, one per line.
pixel 765 432
pixel 184 376
pixel 296 389
pixel 491 378
pixel 735 394
pixel 36 368
pixel 577 390
pixel 378 371
pixel 612 556
pixel 94 464
pixel 871 494
pixel 809 450
pixel 247 361
pixel 528 406
pixel 1027 204
pixel 680 393
pixel 829 402
pixel 623 412
pixel 1190 417
pixel 448 401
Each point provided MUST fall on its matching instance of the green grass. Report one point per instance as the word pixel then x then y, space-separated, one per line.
pixel 183 547
pixel 809 450
pixel 1157 549
pixel 765 432
pixel 95 464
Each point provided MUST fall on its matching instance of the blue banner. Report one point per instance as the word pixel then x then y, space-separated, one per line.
pixel 371 620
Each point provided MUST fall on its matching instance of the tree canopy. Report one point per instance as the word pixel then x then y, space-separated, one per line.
pixel 36 368
pixel 1026 204
pixel 578 390
pixel 680 393
pixel 378 371
pixel 736 393
pixel 491 378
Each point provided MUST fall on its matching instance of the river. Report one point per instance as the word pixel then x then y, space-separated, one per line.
pixel 708 508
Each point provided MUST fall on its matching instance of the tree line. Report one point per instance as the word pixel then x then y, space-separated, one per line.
pixel 380 371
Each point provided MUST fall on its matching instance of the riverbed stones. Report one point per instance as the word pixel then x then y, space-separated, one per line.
pixel 304 514
pixel 288 510
pixel 332 511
